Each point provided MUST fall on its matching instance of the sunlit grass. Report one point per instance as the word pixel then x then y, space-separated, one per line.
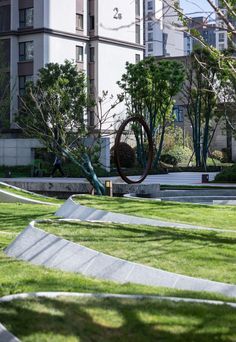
pixel 202 254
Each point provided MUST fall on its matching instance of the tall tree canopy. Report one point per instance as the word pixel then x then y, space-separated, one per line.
pixel 149 88
pixel 53 110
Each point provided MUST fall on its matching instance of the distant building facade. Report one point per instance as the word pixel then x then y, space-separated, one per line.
pixel 163 36
pixel 100 36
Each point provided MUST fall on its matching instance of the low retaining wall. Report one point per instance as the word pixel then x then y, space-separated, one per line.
pixel 41 248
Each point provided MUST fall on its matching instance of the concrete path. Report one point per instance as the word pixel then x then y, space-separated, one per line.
pixel 74 211
pixel 38 247
pixel 6 336
pixel 174 178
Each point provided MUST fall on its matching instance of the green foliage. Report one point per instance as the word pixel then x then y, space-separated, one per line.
pixel 53 111
pixel 169 159
pixel 227 175
pixel 149 87
pixel 218 155
pixel 176 155
pixel 126 154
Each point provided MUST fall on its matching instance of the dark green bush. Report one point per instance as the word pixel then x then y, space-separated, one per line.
pixel 126 155
pixel 227 175
pixel 169 159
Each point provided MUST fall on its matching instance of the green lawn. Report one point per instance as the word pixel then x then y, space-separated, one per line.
pixel 30 195
pixel 19 276
pixel 202 254
pixel 112 320
pixel 223 217
pixel 102 320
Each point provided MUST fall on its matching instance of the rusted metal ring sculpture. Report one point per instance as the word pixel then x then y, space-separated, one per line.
pixel 143 123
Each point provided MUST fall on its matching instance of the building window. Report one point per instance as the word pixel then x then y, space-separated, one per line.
pixel 221 37
pixel 221 47
pixel 150 5
pixel 150 47
pixel 91 118
pixel 79 54
pixel 178 114
pixel 150 36
pixel 137 33
pixel 26 51
pixel 92 54
pixel 150 26
pixel 92 86
pixel 137 8
pixel 137 58
pixel 79 22
pixel 26 17
pixel 5 18
pixel 23 80
pixel 91 22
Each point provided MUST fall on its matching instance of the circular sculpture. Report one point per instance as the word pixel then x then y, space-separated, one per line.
pixel 142 122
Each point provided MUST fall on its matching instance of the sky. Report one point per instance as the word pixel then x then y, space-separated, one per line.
pixel 191 6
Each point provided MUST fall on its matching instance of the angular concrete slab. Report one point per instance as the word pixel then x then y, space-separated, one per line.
pixel 6 336
pixel 38 247
pixel 10 197
pixel 74 211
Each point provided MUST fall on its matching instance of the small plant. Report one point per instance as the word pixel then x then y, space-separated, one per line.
pixel 126 155
pixel 218 155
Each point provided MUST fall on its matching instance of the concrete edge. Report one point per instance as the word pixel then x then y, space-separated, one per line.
pixel 29 295
pixel 6 336
pixel 74 211
pixel 41 248
pixel 14 198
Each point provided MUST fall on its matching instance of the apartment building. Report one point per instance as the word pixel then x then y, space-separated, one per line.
pixel 222 40
pixel 207 31
pixel 99 35
pixel 163 36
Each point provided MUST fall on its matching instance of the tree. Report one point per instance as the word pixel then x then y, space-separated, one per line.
pixel 53 110
pixel 200 95
pixel 149 88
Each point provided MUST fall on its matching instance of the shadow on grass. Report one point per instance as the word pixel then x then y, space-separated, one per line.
pixel 118 320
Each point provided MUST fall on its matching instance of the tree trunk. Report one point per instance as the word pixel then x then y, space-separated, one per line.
pixel 86 166
pixel 158 154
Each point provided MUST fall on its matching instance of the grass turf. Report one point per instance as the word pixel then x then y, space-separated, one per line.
pixel 202 254
pixel 93 319
pixel 223 217
pixel 112 320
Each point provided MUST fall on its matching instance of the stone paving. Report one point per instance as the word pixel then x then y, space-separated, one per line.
pixel 173 178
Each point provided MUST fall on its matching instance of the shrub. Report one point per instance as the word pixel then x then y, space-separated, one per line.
pixel 180 154
pixel 227 175
pixel 126 155
pixel 218 155
pixel 169 159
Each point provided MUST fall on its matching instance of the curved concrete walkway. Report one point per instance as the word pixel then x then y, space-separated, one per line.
pixel 74 211
pixel 11 197
pixel 41 248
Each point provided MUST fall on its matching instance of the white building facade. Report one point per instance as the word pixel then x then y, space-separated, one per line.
pixel 163 36
pixel 99 35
